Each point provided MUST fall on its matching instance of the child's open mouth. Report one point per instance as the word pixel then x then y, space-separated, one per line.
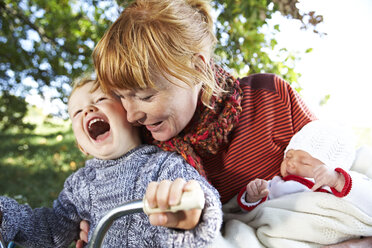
pixel 97 127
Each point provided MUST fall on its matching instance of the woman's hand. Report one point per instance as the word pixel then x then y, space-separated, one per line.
pixel 165 194
pixel 353 243
pixel 84 229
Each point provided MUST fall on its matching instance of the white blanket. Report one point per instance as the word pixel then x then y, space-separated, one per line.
pixel 310 219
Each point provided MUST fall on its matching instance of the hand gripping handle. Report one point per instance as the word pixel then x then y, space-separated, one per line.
pixel 189 200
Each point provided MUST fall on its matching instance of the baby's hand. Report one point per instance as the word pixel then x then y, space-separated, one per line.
pixel 256 190
pixel 325 176
pixel 165 194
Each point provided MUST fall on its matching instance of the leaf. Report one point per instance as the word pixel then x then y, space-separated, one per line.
pixel 61 34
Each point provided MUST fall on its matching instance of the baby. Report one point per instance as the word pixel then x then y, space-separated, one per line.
pixel 121 170
pixel 317 158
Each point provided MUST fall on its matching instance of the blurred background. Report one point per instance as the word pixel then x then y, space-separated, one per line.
pixel 322 47
pixel 334 75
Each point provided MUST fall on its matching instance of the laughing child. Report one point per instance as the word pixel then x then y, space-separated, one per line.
pixel 121 170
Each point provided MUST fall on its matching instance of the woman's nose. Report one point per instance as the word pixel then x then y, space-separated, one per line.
pixel 134 113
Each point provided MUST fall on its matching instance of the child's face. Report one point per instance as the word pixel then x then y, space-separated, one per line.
pixel 300 163
pixel 99 123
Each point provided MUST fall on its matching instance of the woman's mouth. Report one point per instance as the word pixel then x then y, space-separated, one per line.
pixel 97 128
pixel 154 127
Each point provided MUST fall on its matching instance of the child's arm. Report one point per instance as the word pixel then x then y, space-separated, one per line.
pixel 200 227
pixel 167 193
pixel 40 227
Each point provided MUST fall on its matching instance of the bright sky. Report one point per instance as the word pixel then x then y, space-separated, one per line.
pixel 340 62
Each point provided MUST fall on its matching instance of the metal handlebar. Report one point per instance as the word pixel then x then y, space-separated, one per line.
pixel 189 200
pixel 3 244
pixel 107 220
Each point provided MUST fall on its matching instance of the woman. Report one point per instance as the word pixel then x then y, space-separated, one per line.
pixel 158 56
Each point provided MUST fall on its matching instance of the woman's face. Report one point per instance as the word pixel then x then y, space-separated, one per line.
pixel 165 110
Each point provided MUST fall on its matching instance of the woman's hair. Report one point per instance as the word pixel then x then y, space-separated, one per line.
pixel 158 36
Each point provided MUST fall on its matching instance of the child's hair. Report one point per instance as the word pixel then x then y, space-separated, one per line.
pixel 158 35
pixel 330 142
pixel 83 81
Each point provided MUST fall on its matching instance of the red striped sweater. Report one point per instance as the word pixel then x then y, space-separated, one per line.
pixel 272 113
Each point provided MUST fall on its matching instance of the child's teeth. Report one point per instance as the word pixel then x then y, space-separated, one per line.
pixel 94 121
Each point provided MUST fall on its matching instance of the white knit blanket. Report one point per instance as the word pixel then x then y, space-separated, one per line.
pixel 310 219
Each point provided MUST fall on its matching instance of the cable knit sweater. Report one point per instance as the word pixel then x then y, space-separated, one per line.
pixel 102 185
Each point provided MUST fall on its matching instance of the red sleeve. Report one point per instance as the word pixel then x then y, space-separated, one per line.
pixel 347 187
pixel 243 206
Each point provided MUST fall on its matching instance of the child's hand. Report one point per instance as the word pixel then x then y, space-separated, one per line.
pixel 166 193
pixel 256 190
pixel 84 229
pixel 325 176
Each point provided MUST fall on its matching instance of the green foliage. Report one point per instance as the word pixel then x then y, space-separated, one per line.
pixel 325 100
pixel 35 165
pixel 50 42
pixel 245 48
pixel 12 111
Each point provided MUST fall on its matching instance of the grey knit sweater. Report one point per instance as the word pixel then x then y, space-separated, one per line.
pixel 102 185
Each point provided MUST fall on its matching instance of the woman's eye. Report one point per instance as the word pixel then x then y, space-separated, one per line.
pixel 119 95
pixel 146 98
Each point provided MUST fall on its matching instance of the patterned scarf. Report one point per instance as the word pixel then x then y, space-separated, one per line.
pixel 210 128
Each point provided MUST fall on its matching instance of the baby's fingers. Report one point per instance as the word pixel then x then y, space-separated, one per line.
pixel 263 186
pixel 317 185
pixel 252 189
pixel 264 193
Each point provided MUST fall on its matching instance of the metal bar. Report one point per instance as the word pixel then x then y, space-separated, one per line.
pixel 107 220
pixel 2 242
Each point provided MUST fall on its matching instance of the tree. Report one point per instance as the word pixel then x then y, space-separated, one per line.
pixel 12 111
pixel 49 42
pixel 244 47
